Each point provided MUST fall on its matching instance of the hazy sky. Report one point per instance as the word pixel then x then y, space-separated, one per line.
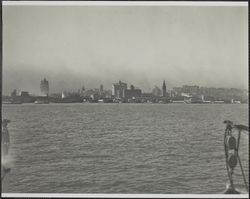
pixel 141 45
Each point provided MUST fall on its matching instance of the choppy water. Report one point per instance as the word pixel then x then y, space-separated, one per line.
pixel 120 148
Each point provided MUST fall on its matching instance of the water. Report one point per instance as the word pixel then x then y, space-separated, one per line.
pixel 120 148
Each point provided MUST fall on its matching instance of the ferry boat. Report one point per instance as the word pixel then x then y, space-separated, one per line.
pixel 178 101
pixel 218 102
pixel 12 102
pixel 100 101
pixel 41 102
pixel 6 102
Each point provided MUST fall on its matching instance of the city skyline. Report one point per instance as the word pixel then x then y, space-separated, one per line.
pixel 43 89
pixel 123 93
pixel 92 45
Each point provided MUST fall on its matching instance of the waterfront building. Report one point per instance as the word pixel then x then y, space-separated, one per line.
pixel 13 93
pixel 101 91
pixel 26 98
pixel 172 94
pixel 94 96
pixel 225 94
pixel 56 95
pixel 118 89
pixel 164 89
pixel 179 99
pixel 107 93
pixel 44 87
pixel 82 91
pixel 132 93
pixel 156 91
pixel 88 93
pixel 69 97
pixel 191 90
pixel 177 91
pixel 24 94
pixel 147 95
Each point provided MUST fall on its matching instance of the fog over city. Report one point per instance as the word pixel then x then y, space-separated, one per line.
pixel 72 46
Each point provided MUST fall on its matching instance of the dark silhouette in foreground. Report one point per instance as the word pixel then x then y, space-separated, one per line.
pixel 5 147
pixel 232 158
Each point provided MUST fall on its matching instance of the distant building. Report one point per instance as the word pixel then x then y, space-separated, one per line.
pixel 101 88
pixel 147 95
pixel 94 96
pixel 118 89
pixel 192 90
pixel 179 99
pixel 26 98
pixel 164 89
pixel 70 97
pixel 88 93
pixel 156 91
pixel 177 91
pixel 24 94
pixel 44 87
pixel 13 93
pixel 107 93
pixel 132 93
pixel 82 91
pixel 172 93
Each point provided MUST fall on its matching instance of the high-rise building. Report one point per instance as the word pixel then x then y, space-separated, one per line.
pixel 44 87
pixel 101 88
pixel 118 89
pixel 164 89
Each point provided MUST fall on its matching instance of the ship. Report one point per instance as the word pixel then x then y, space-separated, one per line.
pixel 12 102
pixel 41 102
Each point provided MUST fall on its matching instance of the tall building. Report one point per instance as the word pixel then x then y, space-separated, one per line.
pixel 164 89
pixel 118 89
pixel 44 87
pixel 101 88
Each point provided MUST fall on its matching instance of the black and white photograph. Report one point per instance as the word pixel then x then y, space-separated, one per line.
pixel 124 99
